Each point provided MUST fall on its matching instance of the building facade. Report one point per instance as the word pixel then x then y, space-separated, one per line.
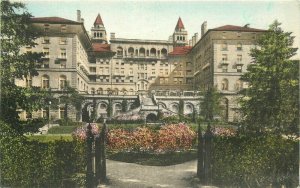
pixel 156 73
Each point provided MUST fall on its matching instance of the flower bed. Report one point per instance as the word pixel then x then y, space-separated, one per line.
pixel 174 137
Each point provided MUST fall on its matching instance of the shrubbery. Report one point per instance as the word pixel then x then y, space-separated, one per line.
pixel 168 138
pixel 61 129
pixel 255 161
pixel 35 164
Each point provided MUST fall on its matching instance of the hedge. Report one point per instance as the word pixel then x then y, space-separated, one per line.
pixel 260 161
pixel 34 164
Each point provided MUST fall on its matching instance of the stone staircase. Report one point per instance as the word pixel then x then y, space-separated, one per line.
pixel 147 103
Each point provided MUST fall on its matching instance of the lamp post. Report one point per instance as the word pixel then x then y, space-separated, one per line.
pixel 49 114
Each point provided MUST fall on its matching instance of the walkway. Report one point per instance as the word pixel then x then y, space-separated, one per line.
pixel 131 175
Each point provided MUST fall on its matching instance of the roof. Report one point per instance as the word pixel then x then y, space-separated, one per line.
pixel 98 20
pixel 236 28
pixel 99 47
pixel 180 50
pixel 179 24
pixel 53 20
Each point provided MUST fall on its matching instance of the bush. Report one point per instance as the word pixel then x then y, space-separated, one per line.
pixel 61 129
pixel 34 164
pixel 255 161
pixel 129 121
pixel 68 122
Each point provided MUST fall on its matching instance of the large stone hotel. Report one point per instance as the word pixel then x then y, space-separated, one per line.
pixel 155 74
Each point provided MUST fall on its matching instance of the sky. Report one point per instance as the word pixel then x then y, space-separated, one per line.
pixel 147 19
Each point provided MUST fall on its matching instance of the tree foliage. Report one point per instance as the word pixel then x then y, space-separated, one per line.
pixel 211 104
pixel 17 32
pixel 271 100
pixel 70 96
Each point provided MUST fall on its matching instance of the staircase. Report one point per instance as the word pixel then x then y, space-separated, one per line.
pixel 147 103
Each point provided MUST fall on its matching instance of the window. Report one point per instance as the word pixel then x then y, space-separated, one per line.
pixel 224 57
pixel 63 28
pixel 93 69
pixel 63 40
pixel 239 68
pixel 28 81
pixel 100 91
pixel 120 52
pixel 239 46
pixel 46 53
pixel 164 52
pixel 63 53
pixel 45 82
pixel 239 85
pixel 153 52
pixel 224 85
pixel 224 46
pixel 239 58
pixel 46 40
pixel 142 52
pixel 130 51
pixel 62 82
pixel 46 27
pixel 62 112
pixel 224 68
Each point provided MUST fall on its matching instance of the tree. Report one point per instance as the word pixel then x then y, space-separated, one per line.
pixel 17 32
pixel 211 104
pixel 124 105
pixel 271 100
pixel 70 96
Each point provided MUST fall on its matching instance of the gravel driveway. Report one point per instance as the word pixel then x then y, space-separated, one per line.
pixel 131 175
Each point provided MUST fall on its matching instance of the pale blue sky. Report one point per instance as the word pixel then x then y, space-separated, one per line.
pixel 157 19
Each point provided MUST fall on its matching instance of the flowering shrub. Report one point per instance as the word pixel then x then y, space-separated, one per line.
pixel 80 132
pixel 172 137
pixel 222 131
pixel 175 137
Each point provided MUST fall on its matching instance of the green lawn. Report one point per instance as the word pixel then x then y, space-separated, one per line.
pixel 50 137
pixel 62 130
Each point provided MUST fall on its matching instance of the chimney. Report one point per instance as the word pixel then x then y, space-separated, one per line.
pixel 203 28
pixel 78 16
pixel 190 42
pixel 112 36
pixel 196 37
pixel 193 41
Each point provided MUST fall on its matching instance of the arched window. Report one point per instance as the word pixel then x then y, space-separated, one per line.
pixel 164 52
pixel 119 51
pixel 142 52
pixel 153 52
pixel 95 35
pixel 92 90
pixel 238 85
pixel 99 91
pixel 45 82
pixel 62 82
pixel 131 91
pixel 116 91
pixel 124 91
pixel 189 109
pixel 224 85
pixel 118 108
pixel 174 108
pixel 224 46
pixel 101 34
pixel 103 106
pixel 130 51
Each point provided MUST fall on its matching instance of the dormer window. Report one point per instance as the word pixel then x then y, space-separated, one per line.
pixel 224 46
pixel 63 28
pixel 46 27
pixel 239 46
pixel 63 40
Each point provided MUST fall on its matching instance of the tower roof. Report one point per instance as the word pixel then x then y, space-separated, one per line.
pixel 179 24
pixel 98 20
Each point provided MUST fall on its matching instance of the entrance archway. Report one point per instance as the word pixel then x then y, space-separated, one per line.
pixel 151 118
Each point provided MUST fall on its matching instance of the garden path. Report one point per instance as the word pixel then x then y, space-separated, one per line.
pixel 121 174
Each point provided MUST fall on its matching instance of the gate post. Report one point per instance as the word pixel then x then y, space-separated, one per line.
pixel 97 158
pixel 208 136
pixel 89 154
pixel 200 167
pixel 103 157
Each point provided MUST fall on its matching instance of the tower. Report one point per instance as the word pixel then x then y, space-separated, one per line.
pixel 98 32
pixel 180 35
